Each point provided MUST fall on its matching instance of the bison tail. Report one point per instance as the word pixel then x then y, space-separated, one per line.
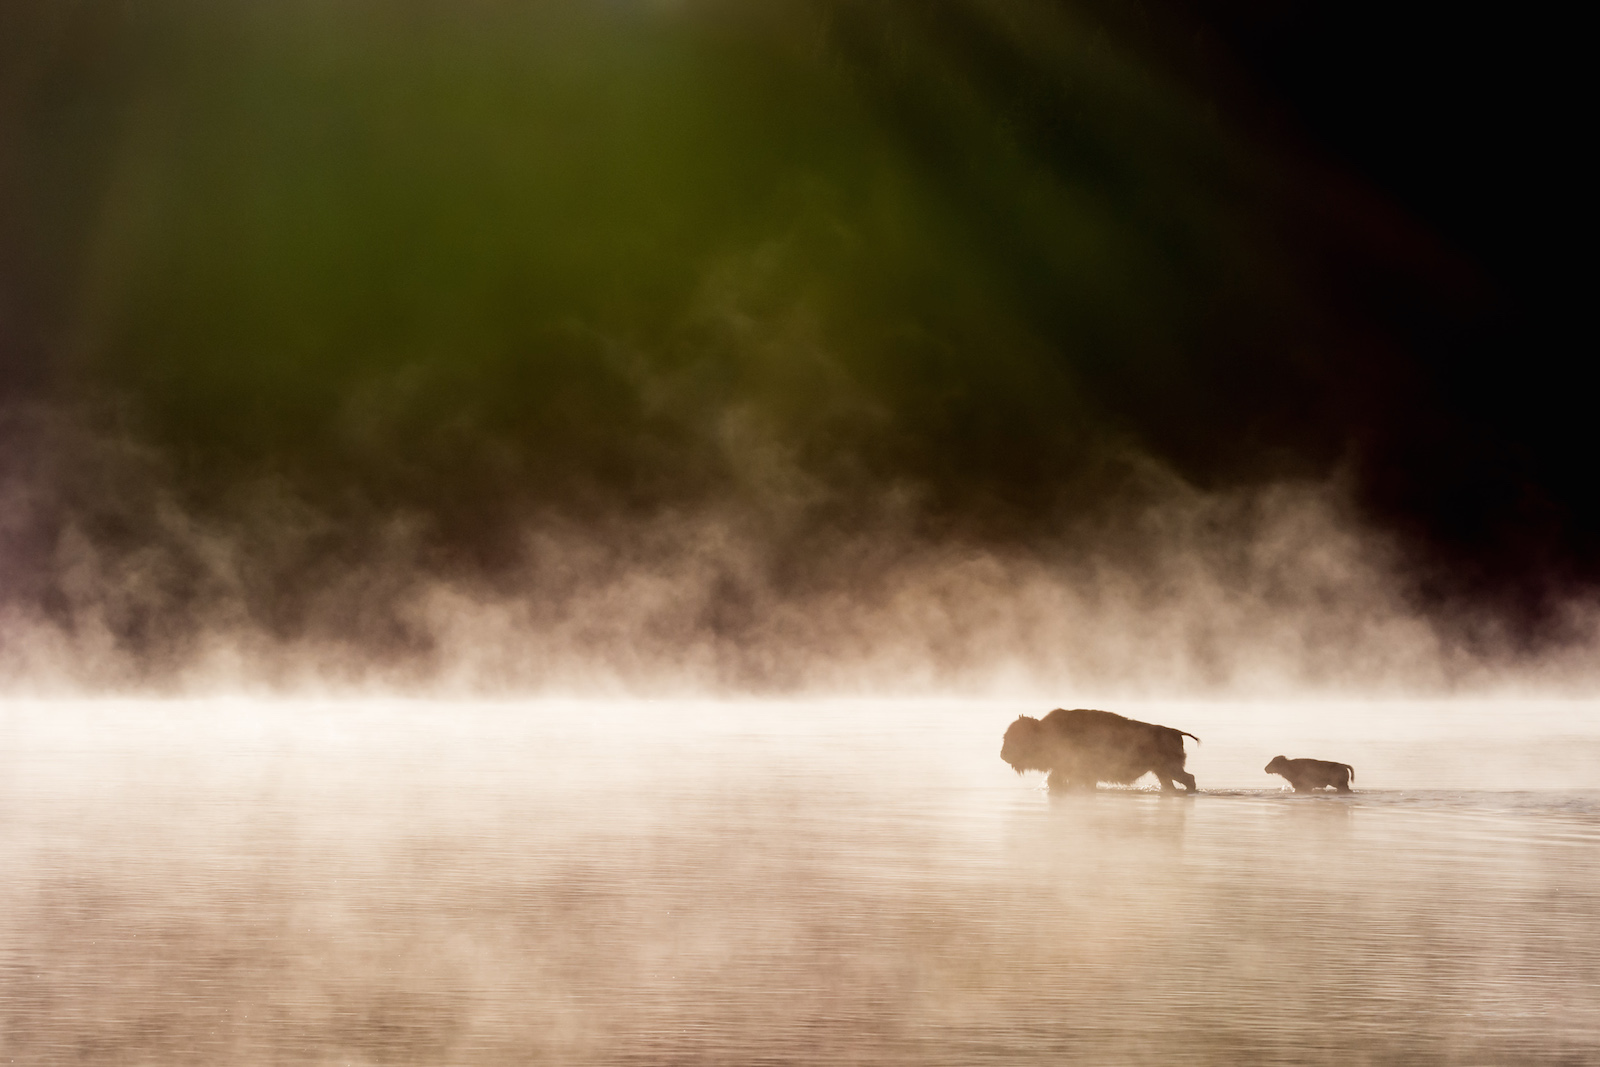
pixel 1351 769
pixel 1186 733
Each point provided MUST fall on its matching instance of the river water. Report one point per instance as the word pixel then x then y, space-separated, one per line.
pixel 402 882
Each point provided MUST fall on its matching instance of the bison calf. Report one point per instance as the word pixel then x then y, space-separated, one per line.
pixel 1082 747
pixel 1307 775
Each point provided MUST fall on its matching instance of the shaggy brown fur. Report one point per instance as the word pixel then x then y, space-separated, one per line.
pixel 1082 747
pixel 1307 775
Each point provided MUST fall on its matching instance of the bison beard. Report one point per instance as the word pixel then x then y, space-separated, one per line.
pixel 1307 775
pixel 1082 747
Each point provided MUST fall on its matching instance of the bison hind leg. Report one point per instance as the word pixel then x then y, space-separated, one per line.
pixel 1171 779
pixel 1180 778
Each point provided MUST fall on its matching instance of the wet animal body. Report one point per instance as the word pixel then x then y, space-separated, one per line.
pixel 1309 775
pixel 1082 747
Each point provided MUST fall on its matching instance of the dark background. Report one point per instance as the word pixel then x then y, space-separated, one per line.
pixel 1374 272
pixel 1467 118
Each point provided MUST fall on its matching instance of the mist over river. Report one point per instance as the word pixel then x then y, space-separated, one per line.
pixel 1082 351
pixel 387 882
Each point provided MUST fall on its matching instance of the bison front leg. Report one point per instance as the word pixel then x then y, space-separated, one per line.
pixel 1065 781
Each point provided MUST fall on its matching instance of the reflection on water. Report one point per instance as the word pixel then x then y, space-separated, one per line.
pixel 193 883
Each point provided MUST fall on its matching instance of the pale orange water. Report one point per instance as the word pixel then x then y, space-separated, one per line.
pixel 250 883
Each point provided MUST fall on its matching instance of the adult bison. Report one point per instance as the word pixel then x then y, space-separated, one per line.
pixel 1082 747
pixel 1307 775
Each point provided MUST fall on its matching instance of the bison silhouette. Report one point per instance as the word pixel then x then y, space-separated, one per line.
pixel 1307 775
pixel 1082 747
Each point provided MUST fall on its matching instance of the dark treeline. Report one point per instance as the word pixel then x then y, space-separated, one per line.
pixel 298 272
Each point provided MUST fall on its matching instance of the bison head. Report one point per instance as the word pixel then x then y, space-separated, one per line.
pixel 1277 763
pixel 1024 746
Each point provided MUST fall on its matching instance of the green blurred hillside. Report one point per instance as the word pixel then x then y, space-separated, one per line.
pixel 476 255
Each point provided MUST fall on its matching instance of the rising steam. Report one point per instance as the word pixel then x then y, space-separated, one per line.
pixel 1258 590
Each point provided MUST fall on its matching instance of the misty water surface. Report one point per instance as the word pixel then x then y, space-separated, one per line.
pixel 711 883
